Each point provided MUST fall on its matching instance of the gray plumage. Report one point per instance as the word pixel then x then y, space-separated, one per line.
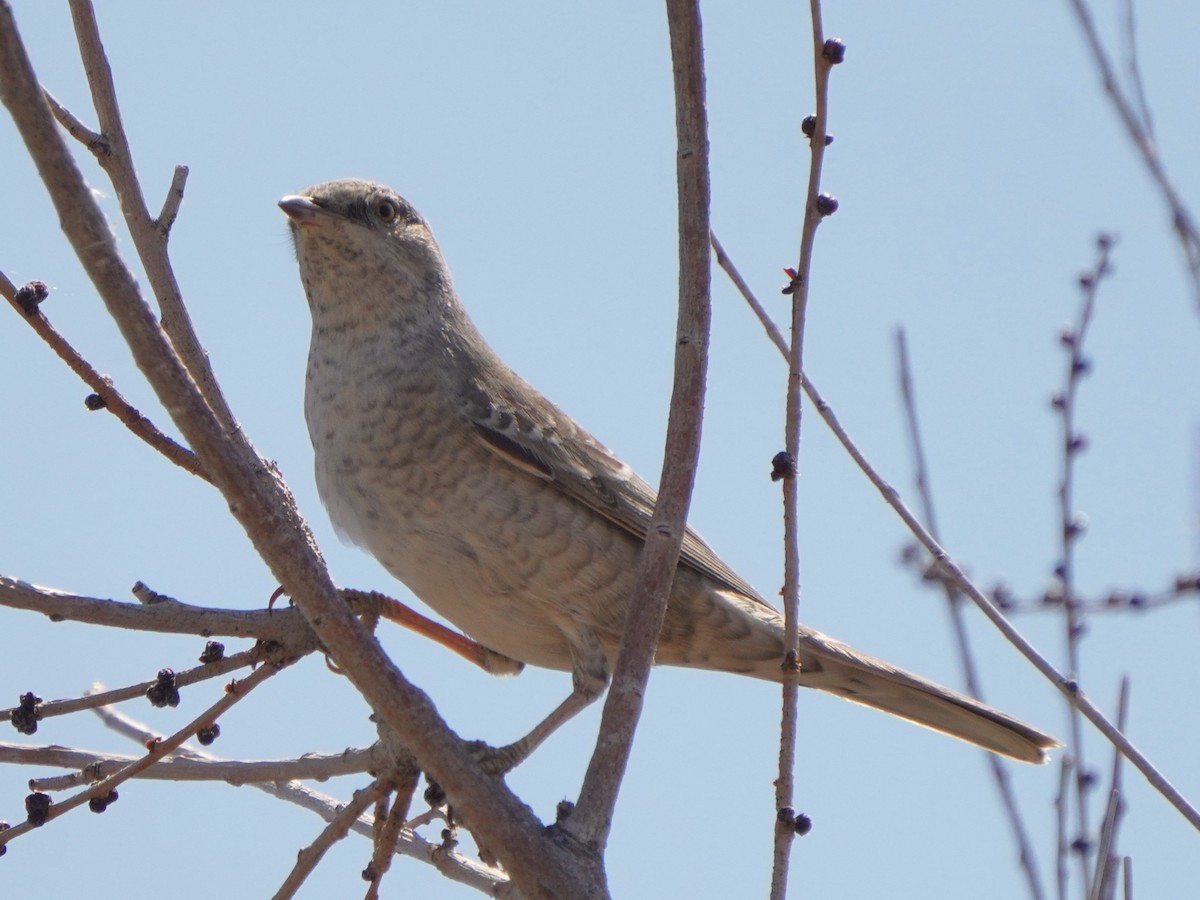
pixel 504 515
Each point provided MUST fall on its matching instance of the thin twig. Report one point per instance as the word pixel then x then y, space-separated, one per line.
pixel 204 672
pixel 1136 127
pixel 404 784
pixel 453 866
pixel 954 608
pixel 825 55
pixel 148 235
pixel 171 203
pixel 735 276
pixel 234 692
pixel 1072 443
pixel 1104 879
pixel 308 857
pixel 111 398
pixel 592 818
pixel 91 766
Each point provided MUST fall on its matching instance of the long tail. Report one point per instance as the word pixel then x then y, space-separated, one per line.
pixel 734 632
pixel 831 666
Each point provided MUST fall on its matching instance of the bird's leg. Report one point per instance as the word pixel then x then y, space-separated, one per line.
pixel 589 677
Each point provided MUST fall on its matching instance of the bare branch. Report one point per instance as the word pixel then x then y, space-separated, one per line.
pixel 825 54
pixel 109 397
pixel 148 235
pixel 170 207
pixel 453 866
pixel 234 692
pixel 307 858
pixel 592 817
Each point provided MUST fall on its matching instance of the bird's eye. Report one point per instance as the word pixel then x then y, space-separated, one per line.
pixel 387 211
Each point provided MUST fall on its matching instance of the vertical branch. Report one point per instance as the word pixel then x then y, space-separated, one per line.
pixel 826 54
pixel 592 817
pixel 1070 530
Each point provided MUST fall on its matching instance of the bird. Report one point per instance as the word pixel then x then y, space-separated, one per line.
pixel 504 515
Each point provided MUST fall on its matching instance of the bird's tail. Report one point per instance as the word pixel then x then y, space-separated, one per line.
pixel 745 635
pixel 831 666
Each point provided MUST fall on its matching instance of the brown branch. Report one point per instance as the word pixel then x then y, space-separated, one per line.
pixel 110 398
pixel 148 235
pixel 103 789
pixel 90 766
pixel 592 818
pixel 159 613
pixel 50 708
pixel 390 828
pixel 308 857
pixel 825 54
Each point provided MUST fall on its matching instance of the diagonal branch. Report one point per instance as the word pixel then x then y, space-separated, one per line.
pixel 110 398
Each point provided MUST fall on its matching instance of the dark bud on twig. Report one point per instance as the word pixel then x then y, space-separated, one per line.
pixel 782 466
pixel 1067 337
pixel 808 127
pixel 1082 846
pixel 1137 601
pixel 1087 779
pixel 1002 596
pixel 1076 527
pixel 1190 582
pixel 1058 401
pixel 434 795
pixel 1078 443
pixel 206 736
pixel 163 692
pixel 4 826
pixel 1081 366
pixel 563 811
pixel 827 204
pixel 369 873
pixel 834 50
pixel 1105 241
pixel 94 402
pixel 803 824
pixel 214 651
pixel 30 295
pixel 100 804
pixel 25 716
pixel 37 809
pixel 1087 281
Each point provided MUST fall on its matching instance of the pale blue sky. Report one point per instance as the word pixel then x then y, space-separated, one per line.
pixel 975 160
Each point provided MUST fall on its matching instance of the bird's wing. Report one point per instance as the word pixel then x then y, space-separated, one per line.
pixel 529 432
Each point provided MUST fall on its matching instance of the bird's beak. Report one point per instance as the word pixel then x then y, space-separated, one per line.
pixel 301 210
